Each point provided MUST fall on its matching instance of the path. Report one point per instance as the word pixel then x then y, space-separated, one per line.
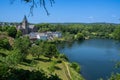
pixel 67 71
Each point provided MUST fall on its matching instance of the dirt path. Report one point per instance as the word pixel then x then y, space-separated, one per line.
pixel 67 71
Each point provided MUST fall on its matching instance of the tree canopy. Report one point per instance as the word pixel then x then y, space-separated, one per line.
pixel 51 51
pixel 22 44
pixel 36 50
pixel 117 33
pixel 12 31
pixel 4 43
pixel 79 36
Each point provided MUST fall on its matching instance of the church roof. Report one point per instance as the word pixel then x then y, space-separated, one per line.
pixel 31 26
pixel 25 18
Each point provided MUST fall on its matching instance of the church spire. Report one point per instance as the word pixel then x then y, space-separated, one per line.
pixel 25 23
pixel 25 18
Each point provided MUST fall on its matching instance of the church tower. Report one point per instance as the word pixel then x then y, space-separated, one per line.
pixel 25 25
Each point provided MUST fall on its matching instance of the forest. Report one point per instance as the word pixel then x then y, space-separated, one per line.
pixel 74 31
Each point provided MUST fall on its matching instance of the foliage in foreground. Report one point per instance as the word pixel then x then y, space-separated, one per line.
pixel 4 43
pixel 115 76
pixel 75 66
pixel 20 74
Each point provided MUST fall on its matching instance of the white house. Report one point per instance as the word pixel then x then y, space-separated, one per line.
pixel 42 36
pixel 57 34
pixel 45 36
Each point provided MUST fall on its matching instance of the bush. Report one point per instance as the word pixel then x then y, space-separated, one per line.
pixel 12 31
pixel 52 66
pixel 63 57
pixel 4 43
pixel 115 77
pixel 20 74
pixel 59 61
pixel 79 36
pixel 116 33
pixel 75 66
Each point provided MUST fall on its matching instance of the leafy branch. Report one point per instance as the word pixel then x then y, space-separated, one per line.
pixel 35 3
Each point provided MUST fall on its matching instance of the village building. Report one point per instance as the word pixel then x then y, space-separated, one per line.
pixel 25 27
pixel 57 34
pixel 45 35
pixel 31 31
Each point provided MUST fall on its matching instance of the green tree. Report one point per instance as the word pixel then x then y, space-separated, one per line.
pixel 75 66
pixel 36 50
pixel 115 77
pixel 79 36
pixel 8 63
pixel 63 57
pixel 51 51
pixel 19 33
pixel 116 33
pixel 13 58
pixel 54 77
pixel 4 43
pixel 4 28
pixel 21 74
pixel 12 31
pixel 3 71
pixel 23 45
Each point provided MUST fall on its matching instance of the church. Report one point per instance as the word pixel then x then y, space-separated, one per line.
pixel 25 27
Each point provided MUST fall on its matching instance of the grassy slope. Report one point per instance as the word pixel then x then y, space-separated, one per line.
pixel 44 64
pixel 63 69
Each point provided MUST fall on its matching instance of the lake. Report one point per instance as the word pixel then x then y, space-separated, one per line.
pixel 97 57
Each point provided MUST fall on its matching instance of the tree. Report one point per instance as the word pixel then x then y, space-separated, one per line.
pixel 4 43
pixel 13 58
pixel 54 77
pixel 36 50
pixel 12 31
pixel 8 63
pixel 115 77
pixel 22 74
pixel 19 33
pixel 79 36
pixel 116 33
pixel 23 45
pixel 35 3
pixel 4 28
pixel 51 51
pixel 63 57
pixel 3 71
pixel 75 66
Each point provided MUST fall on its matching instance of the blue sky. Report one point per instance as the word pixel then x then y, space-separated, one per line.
pixel 84 11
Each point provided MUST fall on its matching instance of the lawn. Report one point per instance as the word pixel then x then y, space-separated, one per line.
pixel 49 66
pixel 53 66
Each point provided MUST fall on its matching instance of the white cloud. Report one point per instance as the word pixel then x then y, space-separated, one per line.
pixel 90 17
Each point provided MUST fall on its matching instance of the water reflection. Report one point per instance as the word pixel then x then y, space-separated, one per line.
pixel 96 56
pixel 68 44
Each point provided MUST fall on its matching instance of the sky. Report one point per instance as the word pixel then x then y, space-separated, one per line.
pixel 63 11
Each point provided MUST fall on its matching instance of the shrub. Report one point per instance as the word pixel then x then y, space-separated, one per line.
pixel 63 57
pixel 75 66
pixel 4 43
